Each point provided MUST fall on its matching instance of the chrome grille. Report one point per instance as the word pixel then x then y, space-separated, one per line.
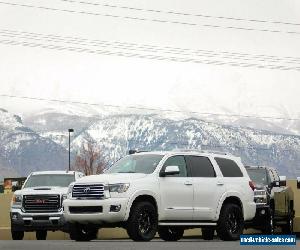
pixel 88 191
pixel 41 203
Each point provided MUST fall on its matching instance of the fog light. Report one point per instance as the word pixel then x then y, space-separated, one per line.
pixel 263 212
pixel 115 208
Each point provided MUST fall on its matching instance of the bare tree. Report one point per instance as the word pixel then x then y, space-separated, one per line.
pixel 89 160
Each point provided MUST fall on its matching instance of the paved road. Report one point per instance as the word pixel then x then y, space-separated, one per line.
pixel 185 244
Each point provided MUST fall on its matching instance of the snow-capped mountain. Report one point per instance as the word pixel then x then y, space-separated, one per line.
pixel 42 143
pixel 22 150
pixel 117 134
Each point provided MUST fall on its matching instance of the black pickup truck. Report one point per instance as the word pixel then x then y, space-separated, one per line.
pixel 274 200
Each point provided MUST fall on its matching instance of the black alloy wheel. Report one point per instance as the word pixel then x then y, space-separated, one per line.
pixel 142 222
pixel 231 222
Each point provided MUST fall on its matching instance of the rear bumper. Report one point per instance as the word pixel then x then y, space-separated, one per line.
pixel 249 213
pixel 21 221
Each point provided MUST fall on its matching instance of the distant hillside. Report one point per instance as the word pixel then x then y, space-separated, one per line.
pixel 42 143
pixel 117 134
pixel 23 150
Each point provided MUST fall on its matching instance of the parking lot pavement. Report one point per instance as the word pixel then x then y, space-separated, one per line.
pixel 188 244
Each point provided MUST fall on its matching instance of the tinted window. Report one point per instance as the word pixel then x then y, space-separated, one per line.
pixel 229 168
pixel 177 161
pixel 200 166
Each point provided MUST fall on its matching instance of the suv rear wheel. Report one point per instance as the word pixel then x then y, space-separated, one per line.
pixel 269 227
pixel 82 232
pixel 41 234
pixel 288 227
pixel 142 222
pixel 170 233
pixel 231 222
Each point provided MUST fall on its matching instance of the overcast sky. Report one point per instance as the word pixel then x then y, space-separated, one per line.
pixel 45 73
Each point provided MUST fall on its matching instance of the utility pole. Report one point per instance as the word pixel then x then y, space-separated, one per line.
pixel 70 130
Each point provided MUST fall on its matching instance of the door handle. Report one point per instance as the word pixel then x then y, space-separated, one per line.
pixel 220 183
pixel 187 183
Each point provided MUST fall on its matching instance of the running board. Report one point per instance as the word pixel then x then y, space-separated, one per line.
pixel 182 223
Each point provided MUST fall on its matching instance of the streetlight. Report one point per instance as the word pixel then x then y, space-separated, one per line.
pixel 70 130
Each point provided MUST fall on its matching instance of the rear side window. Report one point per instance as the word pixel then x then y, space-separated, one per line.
pixel 229 168
pixel 200 166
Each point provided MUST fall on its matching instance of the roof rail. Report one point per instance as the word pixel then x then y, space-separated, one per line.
pixel 204 151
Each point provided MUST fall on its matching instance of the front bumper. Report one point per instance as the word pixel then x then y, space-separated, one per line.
pixel 106 216
pixel 21 221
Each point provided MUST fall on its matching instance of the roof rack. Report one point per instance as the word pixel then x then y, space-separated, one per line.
pixel 136 151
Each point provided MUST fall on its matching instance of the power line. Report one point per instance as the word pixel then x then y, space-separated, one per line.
pixel 147 19
pixel 147 48
pixel 181 13
pixel 147 56
pixel 148 109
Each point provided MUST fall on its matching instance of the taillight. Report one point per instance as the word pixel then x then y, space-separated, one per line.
pixel 252 185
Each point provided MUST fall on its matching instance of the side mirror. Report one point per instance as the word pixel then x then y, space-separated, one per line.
pixel 15 188
pixel 282 181
pixel 298 182
pixel 275 184
pixel 170 170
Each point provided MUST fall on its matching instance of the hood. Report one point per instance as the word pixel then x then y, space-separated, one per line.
pixel 43 190
pixel 111 178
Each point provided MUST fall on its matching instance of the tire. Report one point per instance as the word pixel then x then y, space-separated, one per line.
pixel 143 221
pixel 231 222
pixel 17 235
pixel 208 233
pixel 82 232
pixel 269 227
pixel 170 233
pixel 41 234
pixel 288 228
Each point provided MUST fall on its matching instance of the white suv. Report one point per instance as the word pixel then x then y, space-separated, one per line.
pixel 165 192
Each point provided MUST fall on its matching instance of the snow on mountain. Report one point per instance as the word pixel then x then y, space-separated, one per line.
pixel 22 150
pixel 117 134
pixel 44 137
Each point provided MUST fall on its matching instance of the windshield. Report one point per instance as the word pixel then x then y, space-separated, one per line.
pixel 49 180
pixel 259 176
pixel 145 164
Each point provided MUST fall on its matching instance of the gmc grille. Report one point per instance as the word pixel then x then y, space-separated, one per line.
pixel 41 203
pixel 88 191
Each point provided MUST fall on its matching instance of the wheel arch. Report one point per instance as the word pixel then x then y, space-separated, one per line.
pixel 141 196
pixel 230 198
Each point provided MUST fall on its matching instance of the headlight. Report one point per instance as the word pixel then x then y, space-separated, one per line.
pixel 118 188
pixel 16 200
pixel 260 196
pixel 69 193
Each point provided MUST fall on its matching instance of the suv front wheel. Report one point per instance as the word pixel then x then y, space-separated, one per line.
pixel 170 233
pixel 17 235
pixel 231 222
pixel 142 222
